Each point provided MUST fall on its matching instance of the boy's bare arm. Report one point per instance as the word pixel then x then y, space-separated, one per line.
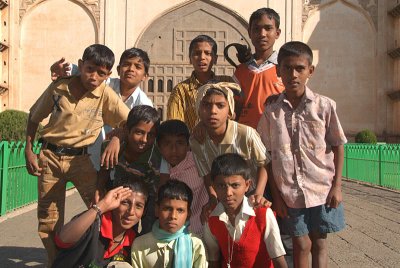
pixel 212 202
pixel 30 157
pixel 278 204
pixel 279 262
pixel 262 179
pixel 335 194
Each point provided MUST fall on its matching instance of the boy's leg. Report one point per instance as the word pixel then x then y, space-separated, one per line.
pixel 51 201
pixel 319 250
pixel 301 250
pixel 84 176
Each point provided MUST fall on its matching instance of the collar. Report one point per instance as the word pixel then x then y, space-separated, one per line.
pixel 219 211
pixel 230 132
pixel 308 96
pixel 134 95
pixel 161 244
pixel 107 231
pixel 194 82
pixel 272 59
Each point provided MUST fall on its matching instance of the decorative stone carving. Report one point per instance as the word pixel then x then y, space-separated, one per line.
pixel 93 7
pixel 370 6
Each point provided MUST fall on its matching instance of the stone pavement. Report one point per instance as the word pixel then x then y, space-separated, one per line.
pixel 371 239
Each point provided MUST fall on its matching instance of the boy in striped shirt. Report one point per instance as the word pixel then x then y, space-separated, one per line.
pixel 173 142
pixel 215 106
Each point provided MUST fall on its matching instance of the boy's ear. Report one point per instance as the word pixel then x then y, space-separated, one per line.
pixel 80 65
pixel 146 75
pixel 118 69
pixel 278 72
pixel 278 33
pixel 215 59
pixel 311 71
pixel 247 183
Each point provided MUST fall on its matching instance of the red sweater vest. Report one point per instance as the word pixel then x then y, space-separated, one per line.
pixel 250 250
pixel 257 85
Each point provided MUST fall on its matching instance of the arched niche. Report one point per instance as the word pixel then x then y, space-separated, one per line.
pixel 342 38
pixel 49 30
pixel 167 40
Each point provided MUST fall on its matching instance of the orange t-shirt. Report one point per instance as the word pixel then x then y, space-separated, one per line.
pixel 257 85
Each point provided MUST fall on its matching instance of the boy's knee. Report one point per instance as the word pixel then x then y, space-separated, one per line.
pixel 302 243
pixel 319 241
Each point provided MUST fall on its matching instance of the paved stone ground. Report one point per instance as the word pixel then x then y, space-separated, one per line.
pixel 371 239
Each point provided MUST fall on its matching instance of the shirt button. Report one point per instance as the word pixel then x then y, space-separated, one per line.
pixel 294 130
pixel 298 168
pixel 296 150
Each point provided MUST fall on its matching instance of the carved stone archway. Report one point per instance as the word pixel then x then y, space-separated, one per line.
pixel 167 41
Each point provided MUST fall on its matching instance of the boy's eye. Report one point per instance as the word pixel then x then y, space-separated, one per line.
pixel 180 210
pixel 221 105
pixel 235 185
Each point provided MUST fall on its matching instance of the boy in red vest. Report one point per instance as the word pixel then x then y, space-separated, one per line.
pixel 243 236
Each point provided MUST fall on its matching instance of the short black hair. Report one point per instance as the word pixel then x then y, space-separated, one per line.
pixel 204 38
pixel 177 190
pixel 295 48
pixel 144 113
pixel 271 14
pixel 133 182
pixel 136 53
pixel 173 127
pixel 230 164
pixel 100 55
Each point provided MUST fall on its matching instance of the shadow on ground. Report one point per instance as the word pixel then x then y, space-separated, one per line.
pixel 13 257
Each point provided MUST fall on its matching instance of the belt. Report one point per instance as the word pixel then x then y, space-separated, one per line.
pixel 65 150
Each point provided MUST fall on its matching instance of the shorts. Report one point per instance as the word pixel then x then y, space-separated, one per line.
pixel 321 219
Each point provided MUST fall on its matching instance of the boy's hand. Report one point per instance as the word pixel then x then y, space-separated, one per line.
pixel 199 132
pixel 279 206
pixel 32 163
pixel 109 158
pixel 334 197
pixel 113 198
pixel 258 201
pixel 207 209
pixel 60 68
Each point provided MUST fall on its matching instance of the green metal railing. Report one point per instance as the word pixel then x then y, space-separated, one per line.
pixel 17 187
pixel 376 164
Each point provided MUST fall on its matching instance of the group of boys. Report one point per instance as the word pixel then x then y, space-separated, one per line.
pixel 297 148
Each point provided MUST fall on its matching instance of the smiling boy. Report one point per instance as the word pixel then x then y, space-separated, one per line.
pixel 78 106
pixel 236 234
pixel 170 244
pixel 302 131
pixel 203 56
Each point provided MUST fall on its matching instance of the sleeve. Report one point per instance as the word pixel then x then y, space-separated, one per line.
pixel 43 105
pixel 263 131
pixel 211 244
pixel 272 237
pixel 175 106
pixel 199 254
pixel 199 156
pixel 258 151
pixel 137 257
pixel 115 112
pixel 334 134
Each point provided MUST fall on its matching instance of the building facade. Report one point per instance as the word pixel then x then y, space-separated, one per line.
pixel 356 45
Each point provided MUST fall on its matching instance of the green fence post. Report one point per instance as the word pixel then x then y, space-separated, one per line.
pixel 346 154
pixel 4 176
pixel 380 147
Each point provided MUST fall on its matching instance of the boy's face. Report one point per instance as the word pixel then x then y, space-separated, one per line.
pixel 132 72
pixel 172 214
pixel 294 71
pixel 141 137
pixel 173 148
pixel 92 75
pixel 230 191
pixel 214 111
pixel 130 211
pixel 263 34
pixel 202 58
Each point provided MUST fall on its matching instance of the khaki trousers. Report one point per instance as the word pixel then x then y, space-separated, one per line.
pixel 57 170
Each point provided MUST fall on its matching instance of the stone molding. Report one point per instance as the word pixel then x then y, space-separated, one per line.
pixel 369 6
pixel 92 6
